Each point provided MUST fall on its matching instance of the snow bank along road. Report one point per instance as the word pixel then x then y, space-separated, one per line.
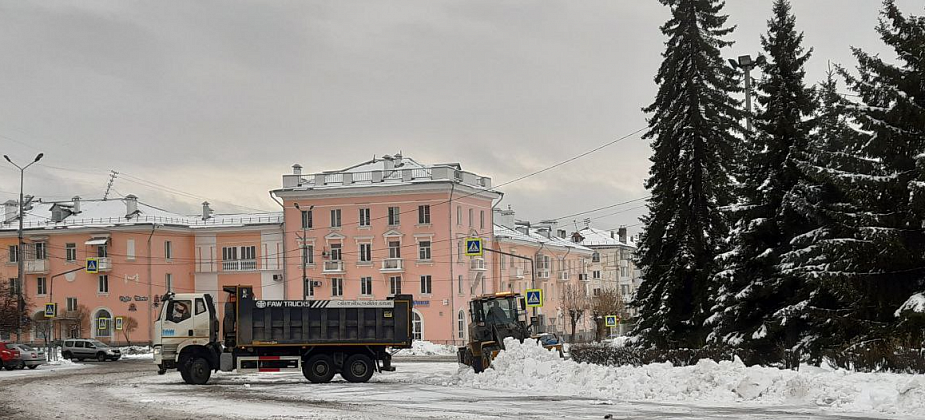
pixel 131 389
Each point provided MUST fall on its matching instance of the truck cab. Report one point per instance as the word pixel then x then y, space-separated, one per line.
pixel 186 334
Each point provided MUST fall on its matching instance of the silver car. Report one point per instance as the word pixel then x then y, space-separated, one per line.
pixel 80 349
pixel 29 356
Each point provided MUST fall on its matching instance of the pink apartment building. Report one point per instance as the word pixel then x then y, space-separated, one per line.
pixel 142 252
pixel 391 225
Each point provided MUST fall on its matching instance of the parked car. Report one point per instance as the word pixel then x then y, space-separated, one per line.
pixel 80 349
pixel 29 356
pixel 9 357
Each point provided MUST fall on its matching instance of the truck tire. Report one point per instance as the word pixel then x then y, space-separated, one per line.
pixel 199 371
pixel 358 368
pixel 184 373
pixel 319 369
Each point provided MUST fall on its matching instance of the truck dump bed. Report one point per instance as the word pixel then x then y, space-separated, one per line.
pixel 317 322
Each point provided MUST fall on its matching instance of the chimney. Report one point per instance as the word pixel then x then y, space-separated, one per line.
pixel 612 235
pixel 504 218
pixel 561 233
pixel 297 169
pixel 622 233
pixel 76 208
pixel 397 160
pixel 10 209
pixel 206 211
pixel 131 206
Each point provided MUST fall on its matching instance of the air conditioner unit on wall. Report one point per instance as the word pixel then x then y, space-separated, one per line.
pixel 277 277
pixel 316 283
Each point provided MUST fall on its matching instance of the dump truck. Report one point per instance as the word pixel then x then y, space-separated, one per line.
pixel 320 338
pixel 492 318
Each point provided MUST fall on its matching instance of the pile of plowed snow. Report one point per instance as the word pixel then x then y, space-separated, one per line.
pixel 426 348
pixel 529 367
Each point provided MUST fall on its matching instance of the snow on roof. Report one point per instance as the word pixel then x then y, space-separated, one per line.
pixel 600 237
pixel 114 212
pixel 502 232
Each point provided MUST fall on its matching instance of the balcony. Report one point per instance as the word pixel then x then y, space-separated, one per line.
pixel 105 264
pixel 236 265
pixel 564 276
pixel 392 265
pixel 583 277
pixel 477 264
pixel 333 267
pixel 36 266
pixel 517 273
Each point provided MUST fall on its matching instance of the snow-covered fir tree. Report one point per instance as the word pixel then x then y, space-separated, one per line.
pixel 692 124
pixel 870 257
pixel 752 289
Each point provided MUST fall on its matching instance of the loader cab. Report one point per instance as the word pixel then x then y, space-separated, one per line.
pixel 496 316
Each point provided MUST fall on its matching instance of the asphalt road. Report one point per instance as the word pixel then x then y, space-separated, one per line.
pixel 131 389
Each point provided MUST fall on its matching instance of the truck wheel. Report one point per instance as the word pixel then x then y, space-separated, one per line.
pixel 358 368
pixel 184 373
pixel 199 371
pixel 101 357
pixel 319 369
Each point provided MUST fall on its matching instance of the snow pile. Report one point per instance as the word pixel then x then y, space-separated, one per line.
pixel 426 348
pixel 915 303
pixel 137 352
pixel 529 367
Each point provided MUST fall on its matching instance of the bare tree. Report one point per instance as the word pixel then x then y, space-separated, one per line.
pixel 77 323
pixel 12 309
pixel 129 325
pixel 575 303
pixel 42 327
pixel 606 302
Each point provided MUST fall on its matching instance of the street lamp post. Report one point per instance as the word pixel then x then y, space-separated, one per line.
pixel 304 246
pixel 746 63
pixel 20 252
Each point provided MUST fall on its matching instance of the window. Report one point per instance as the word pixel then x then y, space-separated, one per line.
pixel 168 281
pixel 168 250
pixel 417 326
pixel 393 216
pixel 229 253
pixel 103 327
pixel 70 252
pixel 14 253
pixel 459 252
pixel 40 251
pixel 41 286
pixel 249 252
pixel 459 215
pixel 424 214
pixel 597 291
pixel 130 249
pixel 395 285
pixel 624 290
pixel 459 285
pixel 502 260
pixel 102 251
pixel 366 252
pixel 482 219
pixel 71 304
pixel 337 287
pixel 335 218
pixel 394 249
pixel 307 219
pixel 308 254
pixel 336 254
pixel 364 217
pixel 426 285
pixel 424 250
pixel 623 272
pixel 200 306
pixel 14 287
pixel 309 288
pixel 366 286
pixel 103 284
pixel 471 212
pixel 461 325
pixel 596 257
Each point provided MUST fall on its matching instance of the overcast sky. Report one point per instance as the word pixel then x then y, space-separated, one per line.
pixel 217 99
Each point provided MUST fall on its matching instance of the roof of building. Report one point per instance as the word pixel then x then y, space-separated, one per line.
pixel 114 212
pixel 383 171
pixel 599 237
pixel 502 232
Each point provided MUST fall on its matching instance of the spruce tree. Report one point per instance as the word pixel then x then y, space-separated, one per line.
pixel 753 288
pixel 871 256
pixel 692 124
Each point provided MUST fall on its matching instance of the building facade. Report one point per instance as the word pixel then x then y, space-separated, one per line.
pixel 387 226
pixel 614 253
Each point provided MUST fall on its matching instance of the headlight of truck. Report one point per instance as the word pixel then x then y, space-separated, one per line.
pixel 157 350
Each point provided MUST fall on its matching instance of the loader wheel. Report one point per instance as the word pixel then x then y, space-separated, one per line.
pixel 358 368
pixel 319 369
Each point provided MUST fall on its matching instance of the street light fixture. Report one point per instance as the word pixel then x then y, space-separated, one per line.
pixel 21 252
pixel 746 63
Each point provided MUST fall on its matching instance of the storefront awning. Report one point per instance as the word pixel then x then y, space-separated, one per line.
pixel 97 241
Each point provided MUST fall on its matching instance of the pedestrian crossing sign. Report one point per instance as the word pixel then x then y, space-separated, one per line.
pixel 534 298
pixel 50 310
pixel 473 247
pixel 611 320
pixel 93 265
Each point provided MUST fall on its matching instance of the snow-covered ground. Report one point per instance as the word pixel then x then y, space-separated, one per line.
pixel 46 369
pixel 137 352
pixel 426 348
